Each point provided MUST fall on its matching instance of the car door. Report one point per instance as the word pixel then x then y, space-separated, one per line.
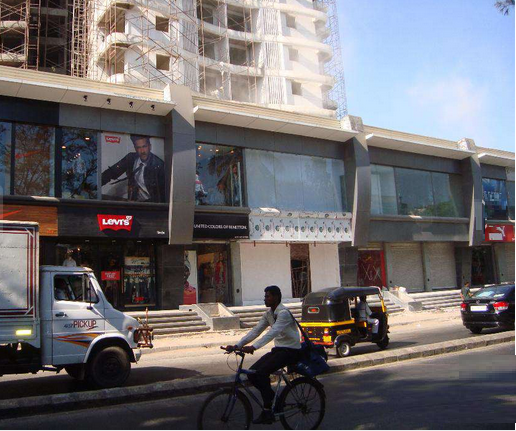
pixel 77 317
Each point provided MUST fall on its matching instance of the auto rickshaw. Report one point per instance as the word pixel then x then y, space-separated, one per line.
pixel 329 318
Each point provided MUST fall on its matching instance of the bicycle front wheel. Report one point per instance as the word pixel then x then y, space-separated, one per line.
pixel 225 409
pixel 302 404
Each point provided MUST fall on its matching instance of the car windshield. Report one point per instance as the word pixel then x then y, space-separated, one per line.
pixel 494 292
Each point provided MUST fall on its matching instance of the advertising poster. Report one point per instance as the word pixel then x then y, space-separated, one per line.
pixel 190 290
pixel 132 168
pixel 138 280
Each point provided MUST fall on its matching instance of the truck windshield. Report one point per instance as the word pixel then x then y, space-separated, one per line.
pixel 74 287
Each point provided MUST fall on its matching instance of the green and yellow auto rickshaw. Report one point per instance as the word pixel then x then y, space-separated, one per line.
pixel 330 319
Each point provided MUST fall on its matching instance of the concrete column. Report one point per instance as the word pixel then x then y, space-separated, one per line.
pixel 180 165
pixel 426 267
pixel 236 270
pixel 171 275
pixel 348 262
pixel 358 187
pixel 472 193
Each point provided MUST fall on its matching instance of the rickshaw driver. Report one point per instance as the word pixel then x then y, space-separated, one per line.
pixel 364 314
pixel 287 348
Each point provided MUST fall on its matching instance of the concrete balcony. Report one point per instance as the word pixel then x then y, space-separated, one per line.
pixel 12 58
pixel 12 27
pixel 116 41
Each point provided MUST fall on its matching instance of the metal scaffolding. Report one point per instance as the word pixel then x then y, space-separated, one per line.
pixel 210 46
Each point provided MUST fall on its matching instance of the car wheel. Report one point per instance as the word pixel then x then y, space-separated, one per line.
pixel 109 368
pixel 343 349
pixel 476 329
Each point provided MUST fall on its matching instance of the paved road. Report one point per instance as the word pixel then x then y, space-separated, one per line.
pixel 209 362
pixel 467 390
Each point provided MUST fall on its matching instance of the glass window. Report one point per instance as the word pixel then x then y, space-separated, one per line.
pixel 318 191
pixel 289 181
pixel 261 188
pixel 510 198
pixel 34 160
pixel 139 275
pixel 79 164
pixel 133 168
pixel 414 190
pixel 5 159
pixel 447 195
pixel 383 190
pixel 495 199
pixel 219 173
pixel 74 287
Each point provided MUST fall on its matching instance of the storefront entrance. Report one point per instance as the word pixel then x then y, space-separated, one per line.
pixel 482 266
pixel 126 269
pixel 300 270
pixel 371 268
pixel 212 273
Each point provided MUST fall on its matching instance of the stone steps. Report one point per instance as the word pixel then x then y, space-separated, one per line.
pixel 172 322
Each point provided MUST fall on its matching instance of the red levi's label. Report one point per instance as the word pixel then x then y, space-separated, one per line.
pixel 113 139
pixel 115 222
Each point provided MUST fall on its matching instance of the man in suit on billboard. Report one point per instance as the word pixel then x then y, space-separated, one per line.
pixel 145 172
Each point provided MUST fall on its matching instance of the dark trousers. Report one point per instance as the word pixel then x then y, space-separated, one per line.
pixel 277 358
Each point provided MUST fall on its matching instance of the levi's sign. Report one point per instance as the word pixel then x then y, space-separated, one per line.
pixel 115 222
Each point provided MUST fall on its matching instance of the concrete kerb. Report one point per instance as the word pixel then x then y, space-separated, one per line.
pixel 81 400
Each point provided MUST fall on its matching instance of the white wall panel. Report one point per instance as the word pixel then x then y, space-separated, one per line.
pixel 324 266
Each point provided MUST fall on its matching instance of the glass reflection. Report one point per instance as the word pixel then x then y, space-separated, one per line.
pixel 5 159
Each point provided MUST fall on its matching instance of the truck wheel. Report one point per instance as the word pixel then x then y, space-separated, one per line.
pixel 75 371
pixel 110 367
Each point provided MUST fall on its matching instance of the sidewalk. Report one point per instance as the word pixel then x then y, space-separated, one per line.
pixel 221 338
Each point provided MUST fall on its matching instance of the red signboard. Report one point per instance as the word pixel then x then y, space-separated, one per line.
pixel 110 275
pixel 115 222
pixel 113 139
pixel 499 233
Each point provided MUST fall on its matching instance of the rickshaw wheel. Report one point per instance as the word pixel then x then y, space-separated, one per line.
pixel 384 343
pixel 343 349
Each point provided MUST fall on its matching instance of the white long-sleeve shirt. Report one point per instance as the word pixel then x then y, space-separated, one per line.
pixel 283 330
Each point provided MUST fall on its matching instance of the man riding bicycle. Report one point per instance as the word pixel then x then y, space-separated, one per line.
pixel 287 348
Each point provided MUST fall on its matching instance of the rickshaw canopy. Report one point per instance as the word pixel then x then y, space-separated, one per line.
pixel 338 294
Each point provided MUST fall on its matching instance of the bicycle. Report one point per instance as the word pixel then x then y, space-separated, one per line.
pixel 300 405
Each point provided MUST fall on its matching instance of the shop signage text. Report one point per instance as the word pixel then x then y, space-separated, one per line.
pixel 499 233
pixel 110 275
pixel 224 226
pixel 113 139
pixel 115 222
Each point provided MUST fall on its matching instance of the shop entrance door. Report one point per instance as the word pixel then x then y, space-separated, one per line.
pixel 213 276
pixel 371 268
pixel 482 267
pixel 300 270
pixel 110 257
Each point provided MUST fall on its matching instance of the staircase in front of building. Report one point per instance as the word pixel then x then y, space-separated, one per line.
pixel 173 322
pixel 438 299
pixel 250 315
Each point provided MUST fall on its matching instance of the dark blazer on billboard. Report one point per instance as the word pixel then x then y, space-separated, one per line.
pixel 153 176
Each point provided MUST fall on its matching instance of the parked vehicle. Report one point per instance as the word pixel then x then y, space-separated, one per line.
pixel 329 318
pixel 54 317
pixel 489 307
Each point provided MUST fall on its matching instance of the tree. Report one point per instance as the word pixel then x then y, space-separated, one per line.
pixel 504 6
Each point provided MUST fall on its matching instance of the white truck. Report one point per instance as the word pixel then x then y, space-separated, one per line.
pixel 55 317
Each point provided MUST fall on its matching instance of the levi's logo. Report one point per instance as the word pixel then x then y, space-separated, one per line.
pixel 113 139
pixel 115 222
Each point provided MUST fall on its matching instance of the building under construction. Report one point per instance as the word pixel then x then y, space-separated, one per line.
pixel 281 55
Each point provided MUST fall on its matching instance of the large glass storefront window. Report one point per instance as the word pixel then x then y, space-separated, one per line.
pixel 219 176
pixel 294 182
pixel 383 190
pixel 447 195
pixel 414 192
pixel 495 199
pixel 5 158
pixel 79 164
pixel 34 160
pixel 133 168
pixel 510 198
pixel 126 270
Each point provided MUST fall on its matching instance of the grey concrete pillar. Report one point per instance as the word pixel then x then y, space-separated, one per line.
pixel 348 262
pixel 180 164
pixel 472 193
pixel 171 274
pixel 427 273
pixel 236 271
pixel 358 187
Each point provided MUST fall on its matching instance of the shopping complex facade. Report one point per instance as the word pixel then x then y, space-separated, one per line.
pixel 173 197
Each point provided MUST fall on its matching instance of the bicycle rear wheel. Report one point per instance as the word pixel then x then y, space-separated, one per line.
pixel 224 410
pixel 302 404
